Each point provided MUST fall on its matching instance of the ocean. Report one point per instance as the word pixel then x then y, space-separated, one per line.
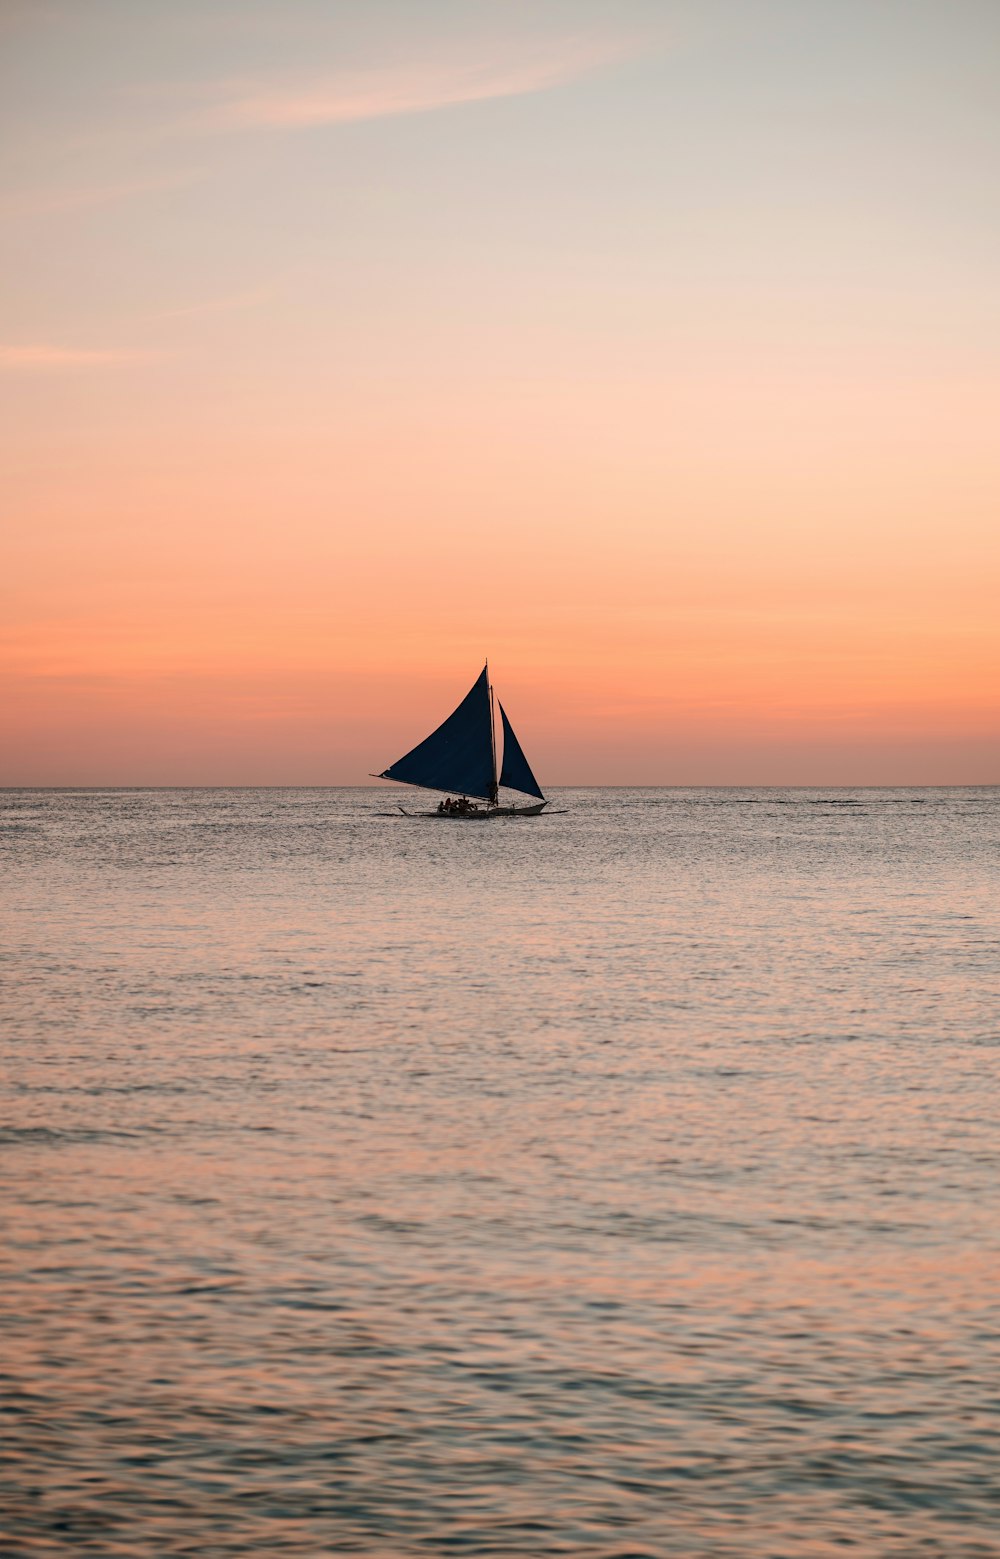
pixel 621 1183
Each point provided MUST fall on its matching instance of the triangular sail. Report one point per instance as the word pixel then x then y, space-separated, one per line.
pixel 458 756
pixel 516 771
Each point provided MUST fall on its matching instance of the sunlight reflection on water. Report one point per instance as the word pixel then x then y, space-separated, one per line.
pixel 619 1183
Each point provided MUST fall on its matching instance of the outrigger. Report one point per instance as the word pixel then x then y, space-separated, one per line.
pixel 460 758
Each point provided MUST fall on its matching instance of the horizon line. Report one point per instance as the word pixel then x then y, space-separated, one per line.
pixel 993 784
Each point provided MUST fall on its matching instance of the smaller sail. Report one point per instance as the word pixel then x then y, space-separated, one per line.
pixel 516 772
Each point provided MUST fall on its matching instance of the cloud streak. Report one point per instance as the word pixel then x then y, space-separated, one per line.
pixel 39 357
pixel 249 298
pixel 33 203
pixel 411 89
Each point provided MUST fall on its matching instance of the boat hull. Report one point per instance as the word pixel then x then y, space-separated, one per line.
pixel 487 815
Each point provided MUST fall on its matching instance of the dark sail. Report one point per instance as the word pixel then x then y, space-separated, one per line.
pixel 516 771
pixel 458 756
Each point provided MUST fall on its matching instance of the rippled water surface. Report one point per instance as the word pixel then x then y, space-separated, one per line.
pixel 619 1183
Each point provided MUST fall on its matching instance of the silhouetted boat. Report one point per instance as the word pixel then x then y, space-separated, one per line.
pixel 460 758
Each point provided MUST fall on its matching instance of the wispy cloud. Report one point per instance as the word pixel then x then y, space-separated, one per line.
pixel 410 89
pixel 40 357
pixel 29 203
pixel 249 298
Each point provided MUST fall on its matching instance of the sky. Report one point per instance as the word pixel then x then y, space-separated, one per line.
pixel 650 349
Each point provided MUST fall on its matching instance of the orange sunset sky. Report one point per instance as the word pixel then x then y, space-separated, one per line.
pixel 650 349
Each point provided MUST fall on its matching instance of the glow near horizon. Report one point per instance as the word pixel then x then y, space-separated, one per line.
pixel 651 349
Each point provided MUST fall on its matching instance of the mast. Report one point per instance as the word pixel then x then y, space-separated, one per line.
pixel 494 793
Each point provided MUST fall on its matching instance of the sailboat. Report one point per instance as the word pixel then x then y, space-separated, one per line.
pixel 460 758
